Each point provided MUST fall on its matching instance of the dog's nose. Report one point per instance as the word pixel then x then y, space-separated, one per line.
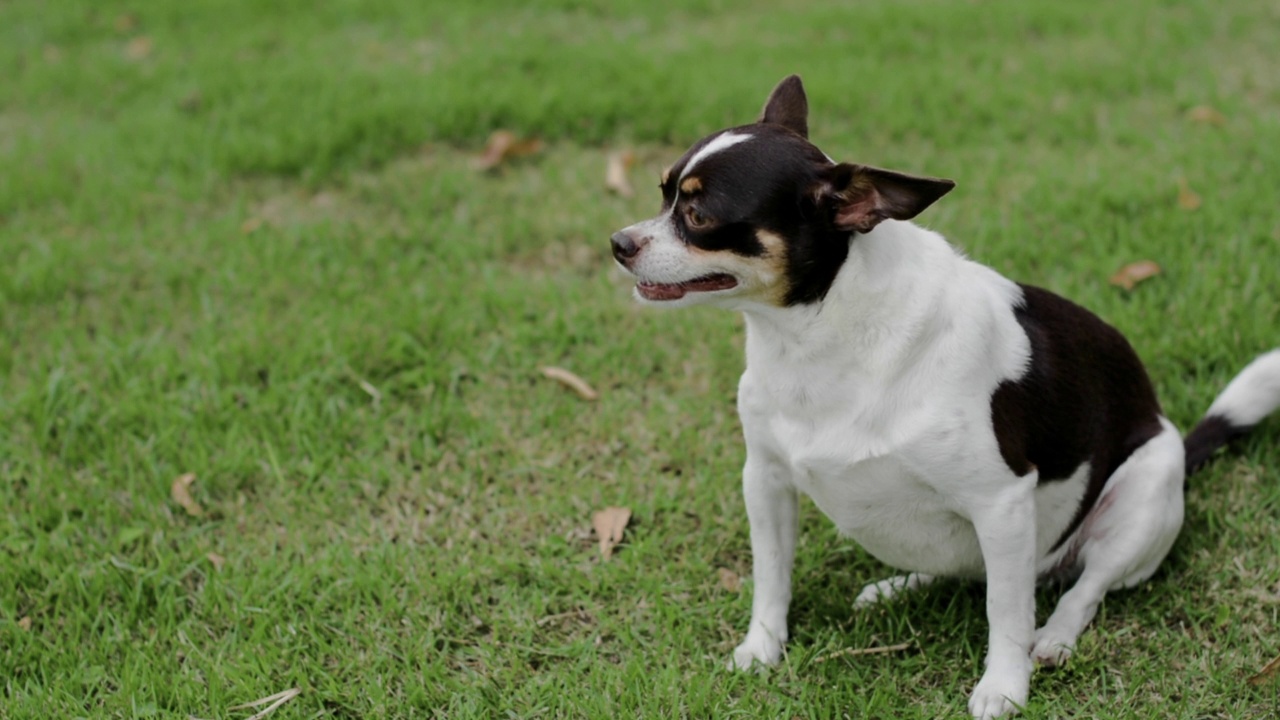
pixel 624 248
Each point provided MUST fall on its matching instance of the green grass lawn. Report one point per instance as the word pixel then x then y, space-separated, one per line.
pixel 245 240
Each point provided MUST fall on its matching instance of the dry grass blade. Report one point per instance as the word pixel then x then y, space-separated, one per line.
pixel 216 560
pixel 848 652
pixel 181 494
pixel 615 176
pixel 276 701
pixel 370 390
pixel 1130 275
pixel 1266 673
pixel 579 613
pixel 609 524
pixel 572 381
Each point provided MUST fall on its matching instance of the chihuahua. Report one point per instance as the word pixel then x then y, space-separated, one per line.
pixel 951 421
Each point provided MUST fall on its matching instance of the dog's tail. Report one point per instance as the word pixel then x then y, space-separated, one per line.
pixel 1250 397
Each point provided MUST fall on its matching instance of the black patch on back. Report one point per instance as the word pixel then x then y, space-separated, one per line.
pixel 1213 432
pixel 1085 397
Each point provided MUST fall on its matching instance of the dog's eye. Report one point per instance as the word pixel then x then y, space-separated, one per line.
pixel 695 219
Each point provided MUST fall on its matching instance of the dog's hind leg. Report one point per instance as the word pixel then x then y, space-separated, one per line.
pixel 888 588
pixel 1121 541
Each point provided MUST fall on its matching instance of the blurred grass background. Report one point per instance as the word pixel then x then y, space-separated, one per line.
pixel 246 240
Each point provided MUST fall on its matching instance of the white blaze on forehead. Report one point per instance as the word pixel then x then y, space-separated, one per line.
pixel 721 142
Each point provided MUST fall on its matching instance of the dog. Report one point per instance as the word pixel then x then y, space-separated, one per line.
pixel 951 421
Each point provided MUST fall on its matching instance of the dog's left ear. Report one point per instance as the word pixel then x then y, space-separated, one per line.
pixel 787 106
pixel 860 197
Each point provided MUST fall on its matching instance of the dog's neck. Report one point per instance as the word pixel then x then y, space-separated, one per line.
pixel 885 297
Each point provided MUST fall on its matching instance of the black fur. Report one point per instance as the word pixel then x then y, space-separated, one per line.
pixel 1213 432
pixel 864 196
pixel 1084 397
pixel 765 183
pixel 788 106
pixel 779 182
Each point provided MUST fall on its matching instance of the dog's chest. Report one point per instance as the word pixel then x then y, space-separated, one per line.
pixel 881 481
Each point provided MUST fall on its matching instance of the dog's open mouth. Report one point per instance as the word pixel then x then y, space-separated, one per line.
pixel 675 291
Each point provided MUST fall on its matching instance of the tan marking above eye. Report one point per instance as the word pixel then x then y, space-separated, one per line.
pixel 691 185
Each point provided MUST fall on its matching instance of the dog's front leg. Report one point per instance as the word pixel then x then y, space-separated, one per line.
pixel 1006 527
pixel 771 510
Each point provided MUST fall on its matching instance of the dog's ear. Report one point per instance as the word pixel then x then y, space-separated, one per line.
pixel 788 107
pixel 859 197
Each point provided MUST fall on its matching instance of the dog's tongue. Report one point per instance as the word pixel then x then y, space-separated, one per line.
pixel 660 292
pixel 675 291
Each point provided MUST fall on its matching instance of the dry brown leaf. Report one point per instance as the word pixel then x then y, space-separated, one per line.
pixel 729 579
pixel 609 524
pixel 1266 673
pixel 216 560
pixel 138 48
pixel 571 381
pixel 505 145
pixel 25 622
pixel 1130 275
pixel 181 493
pixel 1207 115
pixel 192 102
pixel 125 22
pixel 250 225
pixel 1187 198
pixel 615 175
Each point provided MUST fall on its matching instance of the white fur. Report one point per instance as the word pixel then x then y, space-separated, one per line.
pixel 717 144
pixel 887 589
pixel 877 404
pixel 1253 394
pixel 666 259
pixel 1122 541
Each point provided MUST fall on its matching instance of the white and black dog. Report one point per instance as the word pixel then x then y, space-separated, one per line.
pixel 951 421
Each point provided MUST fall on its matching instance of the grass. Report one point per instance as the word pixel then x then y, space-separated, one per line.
pixel 245 240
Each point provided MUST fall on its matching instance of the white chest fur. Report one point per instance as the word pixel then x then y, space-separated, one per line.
pixel 879 483
pixel 880 410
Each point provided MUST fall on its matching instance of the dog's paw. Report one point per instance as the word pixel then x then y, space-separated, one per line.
pixel 758 651
pixel 1051 648
pixel 1000 694
pixel 878 592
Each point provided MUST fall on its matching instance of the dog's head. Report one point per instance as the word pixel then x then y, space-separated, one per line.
pixel 757 213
